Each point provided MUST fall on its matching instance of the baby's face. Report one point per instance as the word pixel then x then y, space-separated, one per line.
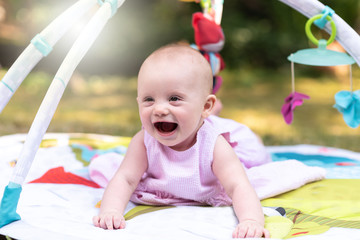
pixel 171 100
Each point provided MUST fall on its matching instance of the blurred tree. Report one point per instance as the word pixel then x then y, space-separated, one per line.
pixel 259 33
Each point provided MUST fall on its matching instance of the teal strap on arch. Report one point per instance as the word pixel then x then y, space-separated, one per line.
pixel 9 204
pixel 43 46
pixel 323 20
pixel 113 3
pixel 61 80
pixel 12 90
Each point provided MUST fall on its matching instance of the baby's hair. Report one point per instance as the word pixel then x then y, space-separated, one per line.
pixel 186 48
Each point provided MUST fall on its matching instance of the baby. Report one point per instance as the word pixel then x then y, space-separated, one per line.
pixel 184 155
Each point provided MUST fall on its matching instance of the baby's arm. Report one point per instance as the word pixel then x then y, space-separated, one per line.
pixel 231 174
pixel 122 185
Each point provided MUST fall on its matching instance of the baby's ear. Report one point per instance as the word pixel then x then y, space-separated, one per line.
pixel 209 105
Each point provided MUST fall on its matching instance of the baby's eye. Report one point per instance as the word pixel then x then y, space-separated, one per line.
pixel 174 98
pixel 148 99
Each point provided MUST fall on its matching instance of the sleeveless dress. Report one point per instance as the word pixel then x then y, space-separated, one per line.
pixel 186 177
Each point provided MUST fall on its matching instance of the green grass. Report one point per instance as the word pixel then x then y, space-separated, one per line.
pixel 107 105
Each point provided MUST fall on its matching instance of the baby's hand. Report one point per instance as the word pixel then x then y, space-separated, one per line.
pixel 250 229
pixel 109 220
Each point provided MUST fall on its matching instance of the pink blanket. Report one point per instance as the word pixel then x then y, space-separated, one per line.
pixel 268 180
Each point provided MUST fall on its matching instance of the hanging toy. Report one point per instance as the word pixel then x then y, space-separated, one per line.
pixel 322 57
pixel 209 36
pixel 291 102
pixel 209 40
pixel 348 103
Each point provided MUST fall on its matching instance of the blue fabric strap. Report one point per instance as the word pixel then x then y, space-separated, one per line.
pixel 39 42
pixel 9 204
pixel 214 62
pixel 322 21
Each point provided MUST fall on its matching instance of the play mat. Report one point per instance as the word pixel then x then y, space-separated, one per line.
pixel 59 198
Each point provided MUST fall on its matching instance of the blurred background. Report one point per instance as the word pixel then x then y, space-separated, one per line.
pixel 260 35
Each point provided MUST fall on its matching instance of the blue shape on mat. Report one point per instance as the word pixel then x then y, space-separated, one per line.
pixel 336 167
pixel 88 153
pixel 312 159
pixel 9 204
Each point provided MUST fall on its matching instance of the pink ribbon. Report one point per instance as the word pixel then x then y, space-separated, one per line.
pixel 291 102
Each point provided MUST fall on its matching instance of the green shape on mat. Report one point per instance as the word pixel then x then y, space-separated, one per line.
pixel 141 209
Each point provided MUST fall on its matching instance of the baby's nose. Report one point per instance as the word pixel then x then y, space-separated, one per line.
pixel 161 109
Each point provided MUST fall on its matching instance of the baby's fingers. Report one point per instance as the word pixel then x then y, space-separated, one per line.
pixel 256 233
pixel 106 222
pixel 240 231
pixel 119 222
pixel 96 221
pixel 266 233
pixel 246 230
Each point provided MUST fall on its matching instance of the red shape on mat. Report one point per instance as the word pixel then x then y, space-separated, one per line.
pixel 58 175
pixel 295 234
pixel 345 164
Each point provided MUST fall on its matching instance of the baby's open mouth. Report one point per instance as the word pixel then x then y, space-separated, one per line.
pixel 165 127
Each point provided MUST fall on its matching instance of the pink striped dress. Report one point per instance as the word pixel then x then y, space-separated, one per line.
pixel 186 177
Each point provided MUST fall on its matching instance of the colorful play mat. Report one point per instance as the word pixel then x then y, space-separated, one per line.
pixel 59 198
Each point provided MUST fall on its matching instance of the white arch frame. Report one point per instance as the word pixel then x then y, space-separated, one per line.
pixel 52 98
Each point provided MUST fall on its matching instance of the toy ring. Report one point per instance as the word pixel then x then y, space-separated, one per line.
pixel 311 36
